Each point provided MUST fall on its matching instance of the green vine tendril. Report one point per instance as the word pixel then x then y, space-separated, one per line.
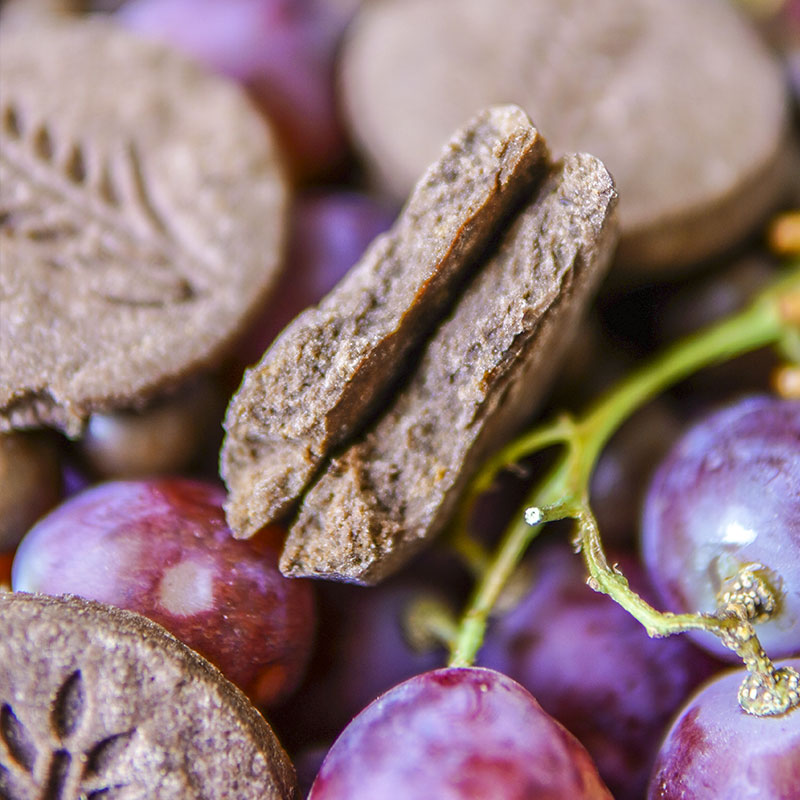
pixel 772 319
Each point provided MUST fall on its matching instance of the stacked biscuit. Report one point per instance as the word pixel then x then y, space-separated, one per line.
pixel 372 410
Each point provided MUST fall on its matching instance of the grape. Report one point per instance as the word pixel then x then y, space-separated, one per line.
pixel 715 750
pixel 704 300
pixel 618 708
pixel 307 763
pixel 457 733
pixel 361 652
pixel 728 496
pixel 164 437
pixel 330 231
pixel 162 548
pixel 30 483
pixel 281 50
pixel 74 476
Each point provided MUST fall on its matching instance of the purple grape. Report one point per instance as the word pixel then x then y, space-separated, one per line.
pixel 457 733
pixel 619 706
pixel 716 751
pixel 361 651
pixel 167 436
pixel 281 50
pixel 162 548
pixel 728 496
pixel 709 298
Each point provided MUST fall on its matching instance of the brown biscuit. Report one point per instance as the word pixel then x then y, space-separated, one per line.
pixel 142 210
pixel 327 371
pixel 479 378
pixel 99 702
pixel 679 98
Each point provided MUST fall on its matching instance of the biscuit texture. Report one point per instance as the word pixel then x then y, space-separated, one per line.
pixel 330 370
pixel 480 376
pixel 100 702
pixel 142 217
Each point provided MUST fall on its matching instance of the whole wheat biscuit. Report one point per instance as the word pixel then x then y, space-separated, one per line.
pixel 99 702
pixel 142 211
pixel 480 376
pixel 679 98
pixel 328 370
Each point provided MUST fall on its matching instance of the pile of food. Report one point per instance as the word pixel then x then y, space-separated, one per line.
pixel 400 399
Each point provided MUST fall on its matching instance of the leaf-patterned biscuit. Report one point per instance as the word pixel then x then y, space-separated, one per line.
pixel 96 702
pixel 142 208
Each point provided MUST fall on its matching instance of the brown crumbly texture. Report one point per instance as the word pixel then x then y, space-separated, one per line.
pixel 93 698
pixel 329 369
pixel 142 216
pixel 480 377
pixel 680 99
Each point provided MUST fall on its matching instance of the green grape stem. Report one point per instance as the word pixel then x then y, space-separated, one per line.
pixel 773 318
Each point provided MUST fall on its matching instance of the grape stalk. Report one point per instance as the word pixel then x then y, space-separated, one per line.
pixel 772 319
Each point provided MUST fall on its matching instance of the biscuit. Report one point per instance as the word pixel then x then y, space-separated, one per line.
pixel 330 368
pixel 680 99
pixel 142 218
pixel 479 378
pixel 100 702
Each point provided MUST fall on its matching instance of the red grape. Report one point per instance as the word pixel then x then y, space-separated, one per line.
pixel 728 497
pixel 715 750
pixel 457 733
pixel 162 548
pixel 619 707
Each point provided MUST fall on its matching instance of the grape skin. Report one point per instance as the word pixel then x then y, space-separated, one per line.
pixel 715 750
pixel 162 548
pixel 361 652
pixel 622 473
pixel 728 495
pixel 619 707
pixel 453 734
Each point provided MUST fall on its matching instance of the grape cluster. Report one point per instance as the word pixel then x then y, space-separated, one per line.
pixel 572 699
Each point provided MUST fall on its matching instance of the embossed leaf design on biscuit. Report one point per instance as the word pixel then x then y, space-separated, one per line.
pixel 88 208
pixel 52 767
